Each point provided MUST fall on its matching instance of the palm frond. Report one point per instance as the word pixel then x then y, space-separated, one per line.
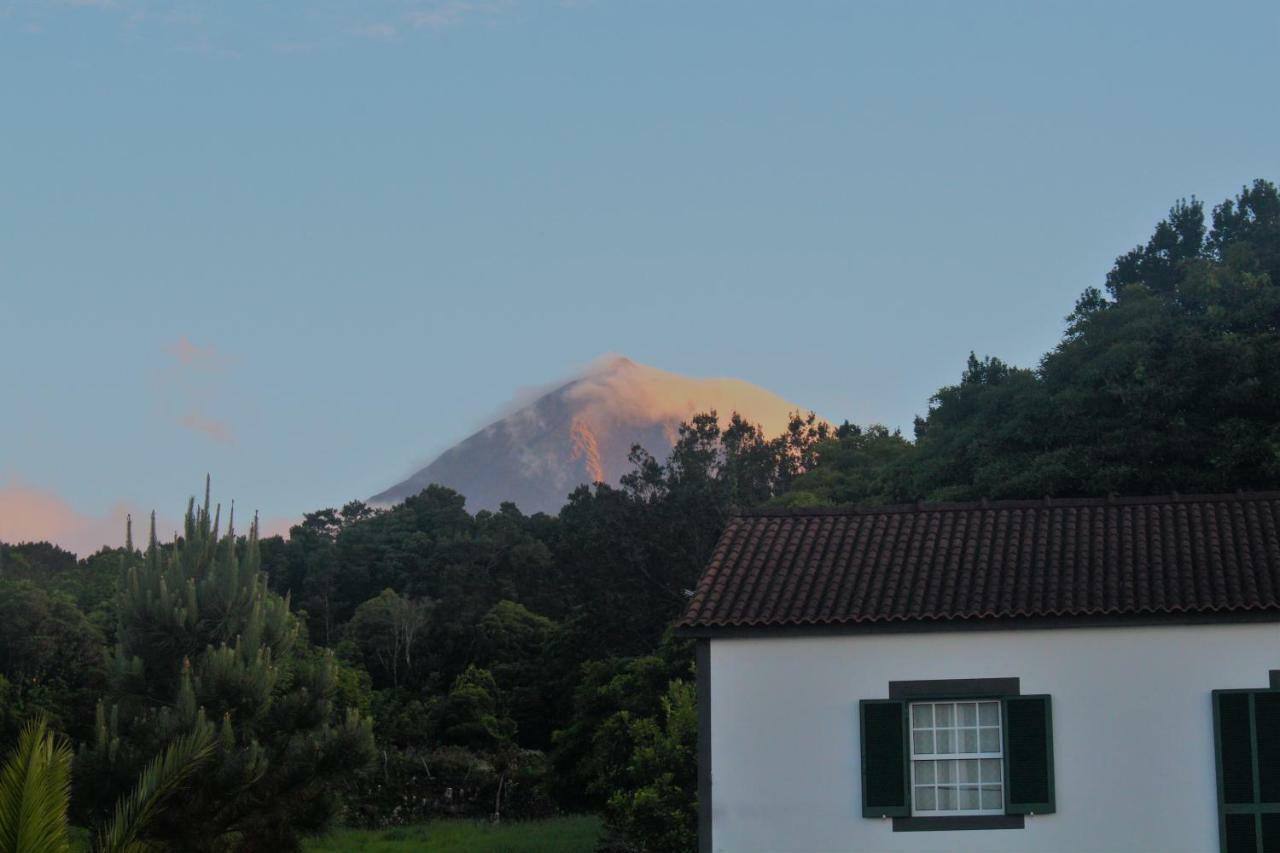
pixel 166 773
pixel 35 787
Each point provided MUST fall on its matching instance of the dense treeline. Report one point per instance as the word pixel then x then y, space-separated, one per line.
pixel 516 665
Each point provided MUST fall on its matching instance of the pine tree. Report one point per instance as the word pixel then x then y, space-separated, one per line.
pixel 205 648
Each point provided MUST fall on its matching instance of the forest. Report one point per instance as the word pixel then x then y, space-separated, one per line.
pixel 386 667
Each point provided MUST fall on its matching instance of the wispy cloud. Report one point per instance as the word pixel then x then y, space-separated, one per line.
pixel 190 354
pixel 191 386
pixel 450 13
pixel 212 427
pixel 380 31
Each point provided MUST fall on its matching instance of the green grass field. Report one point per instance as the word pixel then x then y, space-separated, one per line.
pixel 561 835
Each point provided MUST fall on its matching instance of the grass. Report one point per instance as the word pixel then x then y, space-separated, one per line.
pixel 559 835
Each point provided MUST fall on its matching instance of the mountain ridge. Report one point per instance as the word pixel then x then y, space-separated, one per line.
pixel 581 431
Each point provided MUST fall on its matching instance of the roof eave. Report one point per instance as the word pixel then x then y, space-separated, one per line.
pixel 1019 623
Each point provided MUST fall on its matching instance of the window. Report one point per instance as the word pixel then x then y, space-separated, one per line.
pixel 1247 739
pixel 957 758
pixel 957 753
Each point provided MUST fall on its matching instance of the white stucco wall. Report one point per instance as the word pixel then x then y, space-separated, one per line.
pixel 1132 728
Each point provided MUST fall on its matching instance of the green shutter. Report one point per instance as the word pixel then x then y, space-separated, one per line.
pixel 1246 740
pixel 1028 755
pixel 885 778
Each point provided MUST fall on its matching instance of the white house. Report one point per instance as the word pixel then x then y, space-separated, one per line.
pixel 1075 676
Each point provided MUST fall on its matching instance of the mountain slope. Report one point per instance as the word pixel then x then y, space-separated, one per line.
pixel 581 432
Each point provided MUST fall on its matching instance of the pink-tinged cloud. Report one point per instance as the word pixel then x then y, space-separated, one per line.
pixel 31 514
pixel 213 428
pixel 193 383
pixel 190 354
pixel 277 525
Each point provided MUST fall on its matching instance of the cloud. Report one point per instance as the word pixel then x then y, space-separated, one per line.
pixel 277 525
pixel 379 31
pixel 190 354
pixel 31 514
pixel 213 428
pixel 449 13
pixel 192 384
pixel 615 389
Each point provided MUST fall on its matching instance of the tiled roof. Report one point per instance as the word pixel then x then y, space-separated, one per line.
pixel 1161 556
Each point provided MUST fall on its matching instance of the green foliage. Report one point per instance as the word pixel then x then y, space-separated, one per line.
pixel 852 467
pixel 159 781
pixel 529 658
pixel 91 582
pixel 35 783
pixel 387 635
pixel 559 835
pixel 592 752
pixel 1170 381
pixel 472 714
pixel 51 661
pixel 630 554
pixel 654 799
pixel 204 648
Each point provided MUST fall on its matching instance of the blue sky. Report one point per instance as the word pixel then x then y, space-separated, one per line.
pixel 303 246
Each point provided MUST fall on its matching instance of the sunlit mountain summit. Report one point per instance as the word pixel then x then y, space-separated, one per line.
pixel 581 432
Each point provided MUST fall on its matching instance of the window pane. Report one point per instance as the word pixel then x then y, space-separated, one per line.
pixel 989 714
pixel 968 714
pixel 968 740
pixel 922 743
pixel 922 716
pixel 991 798
pixel 946 771
pixel 968 771
pixel 947 799
pixel 992 768
pixel 926 800
pixel 945 742
pixel 924 771
pixel 969 798
pixel 990 740
pixel 944 715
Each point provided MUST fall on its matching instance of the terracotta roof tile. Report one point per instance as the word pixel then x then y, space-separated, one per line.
pixel 1061 558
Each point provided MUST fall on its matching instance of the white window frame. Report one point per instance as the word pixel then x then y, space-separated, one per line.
pixel 956 756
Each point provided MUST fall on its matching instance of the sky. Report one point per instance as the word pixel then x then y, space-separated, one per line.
pixel 304 246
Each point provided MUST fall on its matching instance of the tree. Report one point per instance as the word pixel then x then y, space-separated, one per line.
pixel 851 467
pixel 1169 380
pixel 655 799
pixel 51 658
pixel 386 631
pixel 472 714
pixel 200 636
pixel 528 656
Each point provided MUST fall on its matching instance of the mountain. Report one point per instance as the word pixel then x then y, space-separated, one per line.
pixel 581 432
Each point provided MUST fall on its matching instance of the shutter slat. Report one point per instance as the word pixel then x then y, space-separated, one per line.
pixel 884 758
pixel 1235 751
pixel 1266 716
pixel 1028 751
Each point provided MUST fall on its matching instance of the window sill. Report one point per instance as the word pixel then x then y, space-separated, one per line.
pixel 959 822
